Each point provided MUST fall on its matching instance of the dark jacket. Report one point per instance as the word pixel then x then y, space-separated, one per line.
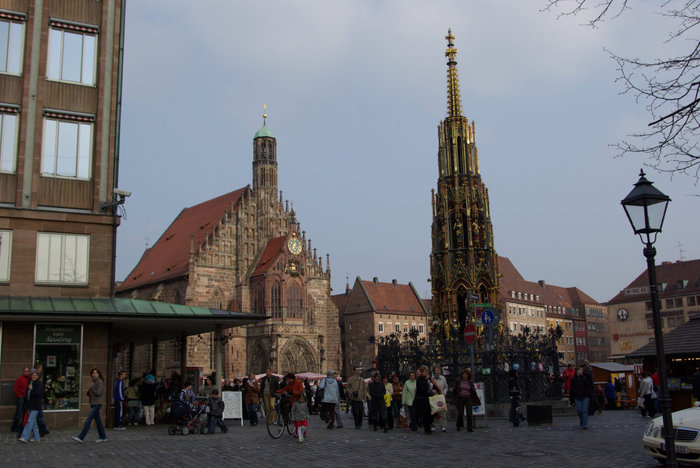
pixel 36 395
pixel 274 383
pixel 422 388
pixel 377 390
pixel 97 392
pixel 582 387
pixel 148 393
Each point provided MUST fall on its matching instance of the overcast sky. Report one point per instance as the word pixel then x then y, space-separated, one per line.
pixel 355 91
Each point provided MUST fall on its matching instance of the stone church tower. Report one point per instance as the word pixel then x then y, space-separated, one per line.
pixel 463 260
pixel 244 251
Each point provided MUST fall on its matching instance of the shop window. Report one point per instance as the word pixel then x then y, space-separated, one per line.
pixel 11 42
pixel 72 51
pixel 57 353
pixel 67 145
pixel 62 258
pixel 5 255
pixel 8 137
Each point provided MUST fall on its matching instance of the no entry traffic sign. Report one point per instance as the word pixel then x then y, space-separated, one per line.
pixel 469 333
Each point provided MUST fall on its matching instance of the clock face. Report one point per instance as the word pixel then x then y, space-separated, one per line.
pixel 622 314
pixel 294 246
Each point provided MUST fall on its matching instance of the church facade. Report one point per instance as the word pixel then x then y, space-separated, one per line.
pixel 463 264
pixel 242 251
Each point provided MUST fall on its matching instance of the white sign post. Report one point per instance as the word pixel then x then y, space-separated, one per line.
pixel 233 402
pixel 479 410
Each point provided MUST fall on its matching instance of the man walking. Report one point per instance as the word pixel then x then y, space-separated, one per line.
pixel 356 390
pixel 269 385
pixel 20 389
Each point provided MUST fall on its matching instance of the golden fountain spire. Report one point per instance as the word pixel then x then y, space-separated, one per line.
pixel 454 100
pixel 264 114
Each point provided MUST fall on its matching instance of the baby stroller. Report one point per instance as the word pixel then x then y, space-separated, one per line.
pixel 187 421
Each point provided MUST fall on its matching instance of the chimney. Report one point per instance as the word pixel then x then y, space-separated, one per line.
pixel 393 282
pixel 375 280
pixel 541 283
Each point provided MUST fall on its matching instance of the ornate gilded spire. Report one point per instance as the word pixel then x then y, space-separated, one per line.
pixel 454 100
pixel 264 114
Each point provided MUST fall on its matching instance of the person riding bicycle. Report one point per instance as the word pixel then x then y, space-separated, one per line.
pixel 293 388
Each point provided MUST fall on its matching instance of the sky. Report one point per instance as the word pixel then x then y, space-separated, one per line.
pixel 355 90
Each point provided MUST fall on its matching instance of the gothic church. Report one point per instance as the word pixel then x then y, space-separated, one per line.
pixel 243 251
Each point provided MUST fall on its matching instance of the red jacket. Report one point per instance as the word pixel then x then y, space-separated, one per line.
pixel 21 385
pixel 295 389
pixel 567 376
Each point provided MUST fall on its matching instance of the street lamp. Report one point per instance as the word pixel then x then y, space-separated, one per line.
pixel 645 207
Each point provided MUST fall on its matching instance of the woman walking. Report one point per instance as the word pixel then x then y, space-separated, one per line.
pixel 464 386
pixel 582 389
pixel 35 393
pixel 408 394
pixel 96 394
pixel 421 401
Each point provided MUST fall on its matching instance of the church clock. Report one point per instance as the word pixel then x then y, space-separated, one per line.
pixel 294 246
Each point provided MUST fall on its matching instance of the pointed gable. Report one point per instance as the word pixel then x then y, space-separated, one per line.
pixel 393 298
pixel 170 256
pixel 269 255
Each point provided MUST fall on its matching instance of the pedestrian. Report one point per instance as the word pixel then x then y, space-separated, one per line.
pixel 387 402
pixel 96 395
pixel 293 387
pixel 462 390
pixel 356 390
pixel 149 394
pixel 187 395
pixel 395 410
pixel 646 391
pixel 269 385
pixel 20 391
pixel 133 402
pixel 408 395
pixel 441 382
pixel 207 388
pixel 308 394
pixel 35 400
pixel 252 399
pixel 119 401
pixel 421 400
pixel 341 393
pixel 331 397
pixel 300 416
pixel 582 388
pixel 610 396
pixel 566 376
pixel 377 406
pixel 216 412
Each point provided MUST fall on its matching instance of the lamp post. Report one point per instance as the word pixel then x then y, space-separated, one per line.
pixel 645 207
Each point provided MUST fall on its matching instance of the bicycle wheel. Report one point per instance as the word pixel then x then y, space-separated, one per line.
pixel 289 424
pixel 275 424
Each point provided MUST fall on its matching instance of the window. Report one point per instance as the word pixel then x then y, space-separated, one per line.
pixel 380 329
pixel 57 350
pixel 259 302
pixel 678 302
pixel 8 136
pixel 62 258
pixel 72 51
pixel 421 328
pixel 669 303
pixel 671 321
pixel 680 321
pixel 293 302
pixel 275 301
pixel 405 328
pixel 349 326
pixel 650 324
pixel 11 42
pixel 397 328
pixel 691 301
pixel 67 145
pixel 5 254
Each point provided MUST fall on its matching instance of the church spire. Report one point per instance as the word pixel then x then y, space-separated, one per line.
pixel 454 100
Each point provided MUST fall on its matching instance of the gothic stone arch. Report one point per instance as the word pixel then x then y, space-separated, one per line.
pixel 297 355
pixel 259 358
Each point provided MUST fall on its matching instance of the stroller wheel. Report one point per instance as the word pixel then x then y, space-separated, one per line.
pixel 194 430
pixel 172 430
pixel 185 430
pixel 203 430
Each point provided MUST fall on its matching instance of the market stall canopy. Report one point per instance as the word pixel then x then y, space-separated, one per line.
pixel 310 376
pixel 132 320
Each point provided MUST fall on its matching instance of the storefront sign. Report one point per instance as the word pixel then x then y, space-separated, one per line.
pixel 57 334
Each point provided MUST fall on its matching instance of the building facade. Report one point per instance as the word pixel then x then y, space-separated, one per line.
pixel 245 251
pixel 630 320
pixel 60 81
pixel 375 309
pixel 463 263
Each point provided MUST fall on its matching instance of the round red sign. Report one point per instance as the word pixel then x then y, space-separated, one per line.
pixel 470 333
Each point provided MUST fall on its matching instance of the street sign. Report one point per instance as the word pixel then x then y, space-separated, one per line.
pixel 488 317
pixel 473 297
pixel 486 304
pixel 469 333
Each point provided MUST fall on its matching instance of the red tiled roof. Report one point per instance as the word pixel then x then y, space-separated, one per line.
pixel 394 298
pixel 271 252
pixel 669 273
pixel 341 301
pixel 170 256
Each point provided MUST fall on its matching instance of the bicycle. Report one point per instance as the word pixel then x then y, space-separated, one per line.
pixel 280 417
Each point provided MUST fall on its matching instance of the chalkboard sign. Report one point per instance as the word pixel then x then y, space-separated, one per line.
pixel 234 405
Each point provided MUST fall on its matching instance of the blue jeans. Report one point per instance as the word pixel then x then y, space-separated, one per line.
pixel 31 427
pixel 94 414
pixel 18 420
pixel 214 421
pixel 253 413
pixel 582 410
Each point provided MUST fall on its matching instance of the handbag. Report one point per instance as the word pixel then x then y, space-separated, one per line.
pixel 438 404
pixel 475 399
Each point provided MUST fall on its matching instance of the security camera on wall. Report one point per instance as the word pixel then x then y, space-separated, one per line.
pixel 122 193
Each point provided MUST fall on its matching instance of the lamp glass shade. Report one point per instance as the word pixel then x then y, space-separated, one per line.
pixel 645 207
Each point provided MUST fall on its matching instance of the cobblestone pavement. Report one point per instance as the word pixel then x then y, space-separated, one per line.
pixel 612 440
